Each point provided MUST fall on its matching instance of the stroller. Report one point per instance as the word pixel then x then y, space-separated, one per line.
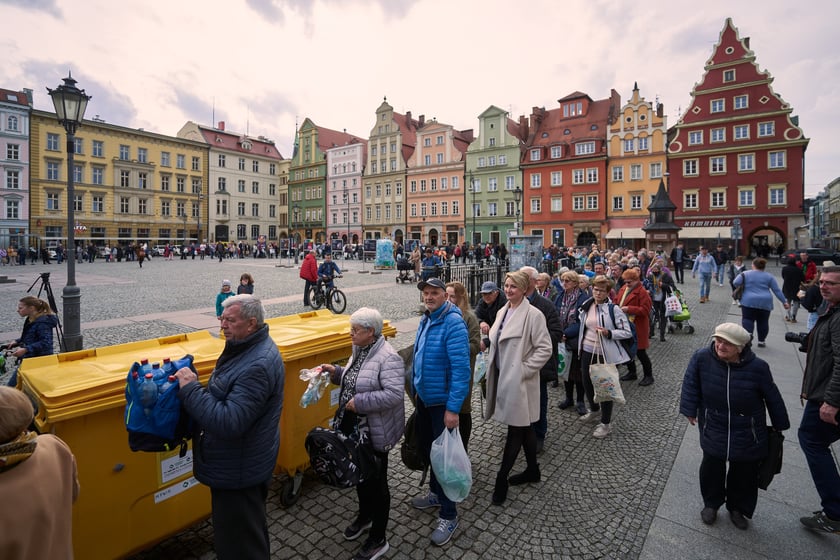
pixel 406 270
pixel 680 320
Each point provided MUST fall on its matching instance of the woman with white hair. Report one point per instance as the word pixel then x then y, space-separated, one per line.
pixel 726 390
pixel 38 482
pixel 370 408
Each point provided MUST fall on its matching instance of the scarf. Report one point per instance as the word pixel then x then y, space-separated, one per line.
pixel 567 309
pixel 18 450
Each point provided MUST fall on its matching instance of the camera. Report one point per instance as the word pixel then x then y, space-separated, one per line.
pixel 798 338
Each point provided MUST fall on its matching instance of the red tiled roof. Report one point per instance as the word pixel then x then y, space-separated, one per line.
pixel 9 96
pixel 551 130
pixel 328 138
pixel 229 141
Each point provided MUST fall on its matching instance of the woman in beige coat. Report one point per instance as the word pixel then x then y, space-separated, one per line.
pixel 519 348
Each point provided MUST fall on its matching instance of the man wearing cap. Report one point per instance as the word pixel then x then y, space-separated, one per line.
pixel 704 265
pixel 819 428
pixel 492 299
pixel 728 391
pixel 440 380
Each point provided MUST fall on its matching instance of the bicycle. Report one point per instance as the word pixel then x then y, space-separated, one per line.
pixel 332 298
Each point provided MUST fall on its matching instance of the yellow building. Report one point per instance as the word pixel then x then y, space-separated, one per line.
pixel 131 185
pixel 636 150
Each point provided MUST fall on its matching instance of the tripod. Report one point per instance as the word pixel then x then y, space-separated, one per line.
pixel 44 277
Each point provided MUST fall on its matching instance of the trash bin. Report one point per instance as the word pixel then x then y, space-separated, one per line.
pixel 306 340
pixel 128 501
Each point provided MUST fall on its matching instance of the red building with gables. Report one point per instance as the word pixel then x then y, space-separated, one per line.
pixel 736 156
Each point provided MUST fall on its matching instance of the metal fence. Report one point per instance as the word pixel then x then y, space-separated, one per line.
pixel 473 275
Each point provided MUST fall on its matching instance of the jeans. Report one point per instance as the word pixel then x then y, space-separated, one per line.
pixel 812 319
pixel 760 318
pixel 720 272
pixel 794 308
pixel 815 437
pixel 705 284
pixel 429 426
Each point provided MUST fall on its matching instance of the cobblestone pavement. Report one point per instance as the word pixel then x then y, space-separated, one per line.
pixel 597 498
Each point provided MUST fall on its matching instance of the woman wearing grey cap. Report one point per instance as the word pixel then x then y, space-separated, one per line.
pixel 726 391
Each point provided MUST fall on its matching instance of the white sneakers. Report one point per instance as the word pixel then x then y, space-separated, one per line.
pixel 602 431
pixel 591 416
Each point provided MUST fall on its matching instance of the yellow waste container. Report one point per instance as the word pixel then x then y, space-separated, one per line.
pixel 129 500
pixel 306 340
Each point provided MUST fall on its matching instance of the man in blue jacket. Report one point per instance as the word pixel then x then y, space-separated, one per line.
pixel 441 381
pixel 237 419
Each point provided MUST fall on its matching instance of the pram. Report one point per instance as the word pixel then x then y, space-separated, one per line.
pixel 406 270
pixel 680 321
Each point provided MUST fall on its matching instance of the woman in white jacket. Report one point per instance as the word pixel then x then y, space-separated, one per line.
pixel 600 332
pixel 519 347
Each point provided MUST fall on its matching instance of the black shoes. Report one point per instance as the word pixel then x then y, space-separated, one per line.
pixel 628 377
pixel 526 476
pixel 355 529
pixel 646 380
pixel 566 404
pixel 739 520
pixel 661 338
pixel 500 490
pixel 540 445
pixel 708 515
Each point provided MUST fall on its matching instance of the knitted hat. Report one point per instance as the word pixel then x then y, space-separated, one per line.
pixel 736 334
pixel 225 283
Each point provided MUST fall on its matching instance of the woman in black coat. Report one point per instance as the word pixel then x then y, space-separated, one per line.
pixel 725 391
pixel 792 279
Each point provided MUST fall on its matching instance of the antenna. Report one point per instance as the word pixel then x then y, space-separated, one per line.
pixel 213 114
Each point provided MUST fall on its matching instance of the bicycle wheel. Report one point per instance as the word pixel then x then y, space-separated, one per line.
pixel 338 303
pixel 316 298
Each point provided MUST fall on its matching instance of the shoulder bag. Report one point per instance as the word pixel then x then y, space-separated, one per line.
pixel 739 290
pixel 604 377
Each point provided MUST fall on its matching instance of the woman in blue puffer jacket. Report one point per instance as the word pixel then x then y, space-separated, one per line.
pixel 725 391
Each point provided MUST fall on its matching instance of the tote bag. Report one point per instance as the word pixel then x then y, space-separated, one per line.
pixel 604 378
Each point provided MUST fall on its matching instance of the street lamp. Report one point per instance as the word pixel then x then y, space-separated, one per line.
pixel 70 103
pixel 347 201
pixel 296 209
pixel 198 233
pixel 472 188
pixel 517 197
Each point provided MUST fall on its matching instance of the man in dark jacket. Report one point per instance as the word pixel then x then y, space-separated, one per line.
pixel 721 257
pixel 821 391
pixel 492 299
pixel 548 373
pixel 678 257
pixel 237 419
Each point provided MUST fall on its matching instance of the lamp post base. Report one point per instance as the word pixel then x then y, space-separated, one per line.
pixel 71 302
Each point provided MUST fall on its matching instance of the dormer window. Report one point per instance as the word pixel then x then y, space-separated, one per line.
pixel 535 154
pixel 246 145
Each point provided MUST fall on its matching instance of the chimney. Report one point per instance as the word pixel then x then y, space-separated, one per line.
pixel 221 125
pixel 421 120
pixel 660 110
pixel 28 93
pixel 523 127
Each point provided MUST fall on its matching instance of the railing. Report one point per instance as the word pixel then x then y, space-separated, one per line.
pixel 473 275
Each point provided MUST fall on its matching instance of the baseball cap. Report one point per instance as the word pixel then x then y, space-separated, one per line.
pixel 433 282
pixel 489 287
pixel 731 332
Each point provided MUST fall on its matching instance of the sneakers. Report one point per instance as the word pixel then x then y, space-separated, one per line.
pixel 591 416
pixel 602 431
pixel 445 528
pixel 761 344
pixel 355 529
pixel 430 500
pixel 372 550
pixel 821 522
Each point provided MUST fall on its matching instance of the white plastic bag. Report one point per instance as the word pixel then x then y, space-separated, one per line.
pixel 564 361
pixel 480 367
pixel 451 465
pixel 672 306
pixel 318 381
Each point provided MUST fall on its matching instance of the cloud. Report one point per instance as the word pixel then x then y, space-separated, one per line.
pixel 48 6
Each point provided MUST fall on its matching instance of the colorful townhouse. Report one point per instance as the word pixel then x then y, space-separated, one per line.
pixel 247 186
pixel 564 170
pixel 636 144
pixel 15 107
pixel 345 167
pixel 435 184
pixel 493 175
pixel 391 143
pixel 736 156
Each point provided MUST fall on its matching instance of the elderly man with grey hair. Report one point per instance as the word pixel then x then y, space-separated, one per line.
pixel 237 420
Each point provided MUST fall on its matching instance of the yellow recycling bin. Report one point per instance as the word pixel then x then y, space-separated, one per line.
pixel 306 340
pixel 129 500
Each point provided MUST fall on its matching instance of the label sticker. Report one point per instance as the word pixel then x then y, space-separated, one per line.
pixel 175 489
pixel 334 394
pixel 175 467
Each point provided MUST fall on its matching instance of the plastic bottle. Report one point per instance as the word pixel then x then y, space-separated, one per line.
pixel 170 381
pixel 148 394
pixel 145 367
pixel 168 366
pixel 157 373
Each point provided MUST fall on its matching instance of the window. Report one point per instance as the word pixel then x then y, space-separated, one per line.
pixel 272 169
pixel 97 203
pixel 423 208
pixel 718 106
pixel 766 129
pixel 78 202
pixel 13 151
pixel 427 159
pixel 740 102
pixel 492 209
pixel 439 159
pixel 556 178
pixel 695 137
pixel 255 166
pixel 255 187
pixel 12 179
pixel 584 148
pixel 52 142
pixel 629 145
pixel 52 201
pixel 433 207
pixel 180 209
pixel 617 173
pixel 618 203
pixel 142 206
pixel 241 231
pixel 635 202
pixel 729 75
pixel 689 167
pixel 272 189
pixel 433 185
pixel 717 199
pixel 413 210
pixel 221 207
pixel 742 132
pixel 592 175
pixel 52 171
pixel 690 200
pixel 536 205
pixel 636 172
pixel 577 176
pixel 12 123
pixel 573 109
pixel 124 204
pixel 222 160
pixel 165 208
pixel 536 180
pixel 240 185
pixel 643 144
pixel 98 148
pixel 180 184
pixel 556 152
pixel 717 135
pixel 746 162
pixel 12 209
pixel 125 154
pixel 142 155
pixel 776 160
pixel 717 164
pixel 142 180
pixel 776 196
pixel 578 203
pixel 746 197
pixel 165 181
pixel 557 204
pixel 196 185
pixel 240 208
pixel 180 161
pixel 196 163
pixel 592 202
pixel 508 208
pixel 456 208
pixel 656 170
pixel 255 231
pixel 427 142
pixel 492 184
pixel 255 210
pixel 164 159
pixel 241 164
pixel 125 178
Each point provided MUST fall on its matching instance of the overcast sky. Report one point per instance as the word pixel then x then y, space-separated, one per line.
pixel 263 65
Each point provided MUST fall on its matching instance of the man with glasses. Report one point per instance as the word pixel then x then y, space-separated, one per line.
pixel 819 428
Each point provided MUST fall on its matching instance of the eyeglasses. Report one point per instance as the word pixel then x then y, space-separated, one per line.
pixel 828 283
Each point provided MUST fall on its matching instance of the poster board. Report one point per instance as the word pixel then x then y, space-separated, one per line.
pixel 525 250
pixel 384 254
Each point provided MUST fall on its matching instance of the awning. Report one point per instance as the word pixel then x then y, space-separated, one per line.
pixel 705 232
pixel 625 233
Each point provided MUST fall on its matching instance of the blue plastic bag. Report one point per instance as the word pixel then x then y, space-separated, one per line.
pixel 451 465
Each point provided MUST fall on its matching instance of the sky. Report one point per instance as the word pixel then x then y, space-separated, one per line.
pixel 264 65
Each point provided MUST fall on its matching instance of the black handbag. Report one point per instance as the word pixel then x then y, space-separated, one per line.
pixel 739 290
pixel 772 464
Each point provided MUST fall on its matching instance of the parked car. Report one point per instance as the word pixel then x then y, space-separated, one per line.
pixel 817 254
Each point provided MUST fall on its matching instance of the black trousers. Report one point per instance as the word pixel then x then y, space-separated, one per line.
pixel 737 487
pixel 647 367
pixel 519 437
pixel 239 525
pixel 375 499
pixel 678 272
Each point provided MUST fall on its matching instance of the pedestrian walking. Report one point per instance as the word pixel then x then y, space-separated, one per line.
pixel 757 299
pixel 704 265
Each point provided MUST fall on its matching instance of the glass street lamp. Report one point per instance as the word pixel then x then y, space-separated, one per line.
pixel 296 209
pixel 70 104
pixel 517 197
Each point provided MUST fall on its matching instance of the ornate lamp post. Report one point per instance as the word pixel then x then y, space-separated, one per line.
pixel 295 209
pixel 517 197
pixel 472 189
pixel 347 201
pixel 70 103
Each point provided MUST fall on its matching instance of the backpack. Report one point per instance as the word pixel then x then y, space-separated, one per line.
pixel 631 345
pixel 339 460
pixel 412 456
pixel 457 250
pixel 166 425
